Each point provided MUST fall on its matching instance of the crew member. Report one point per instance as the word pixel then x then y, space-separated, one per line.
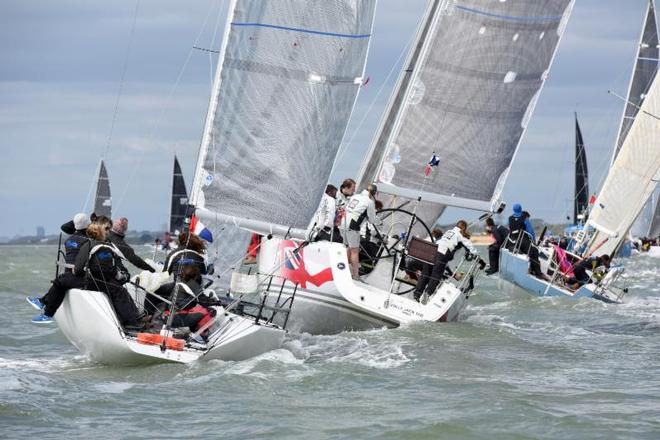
pixel 451 241
pixel 324 221
pixel 499 234
pixel 580 276
pixel 360 207
pixel 52 300
pixel 117 237
pixel 100 262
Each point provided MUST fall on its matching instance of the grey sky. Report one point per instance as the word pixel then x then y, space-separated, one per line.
pixel 62 61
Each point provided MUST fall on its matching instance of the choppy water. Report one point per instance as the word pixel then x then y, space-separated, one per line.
pixel 514 367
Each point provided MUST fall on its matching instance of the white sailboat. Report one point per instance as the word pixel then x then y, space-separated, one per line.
pixel 469 88
pixel 631 180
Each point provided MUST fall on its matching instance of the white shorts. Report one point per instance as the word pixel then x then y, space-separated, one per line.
pixel 352 238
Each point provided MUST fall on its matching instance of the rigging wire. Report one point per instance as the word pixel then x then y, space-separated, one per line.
pixel 161 114
pixel 397 64
pixel 122 80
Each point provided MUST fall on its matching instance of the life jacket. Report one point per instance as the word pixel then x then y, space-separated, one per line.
pixel 357 209
pixel 185 257
pixel 72 246
pixel 104 258
pixel 516 224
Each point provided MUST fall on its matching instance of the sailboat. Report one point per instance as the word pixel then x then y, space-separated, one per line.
pixel 468 90
pixel 282 96
pixel 581 188
pixel 631 180
pixel 179 203
pixel 103 199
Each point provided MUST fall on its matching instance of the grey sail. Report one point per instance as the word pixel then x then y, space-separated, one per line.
pixel 644 72
pixel 179 199
pixel 103 200
pixel 284 92
pixel 581 177
pixel 467 96
pixel 654 229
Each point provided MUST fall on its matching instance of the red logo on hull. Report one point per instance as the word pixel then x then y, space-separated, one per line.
pixel 293 266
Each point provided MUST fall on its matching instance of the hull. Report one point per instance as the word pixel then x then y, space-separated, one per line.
pixel 89 322
pixel 514 269
pixel 654 251
pixel 328 301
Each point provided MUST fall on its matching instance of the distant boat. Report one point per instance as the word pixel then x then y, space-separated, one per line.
pixel 631 180
pixel 581 202
pixel 103 199
pixel 179 200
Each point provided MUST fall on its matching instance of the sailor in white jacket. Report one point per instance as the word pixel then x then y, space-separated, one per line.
pixel 360 207
pixel 324 220
pixel 451 241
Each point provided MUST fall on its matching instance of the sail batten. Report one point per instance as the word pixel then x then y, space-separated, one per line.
pixel 466 96
pixel 285 89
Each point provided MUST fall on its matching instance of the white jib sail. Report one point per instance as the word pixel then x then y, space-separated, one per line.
pixel 631 180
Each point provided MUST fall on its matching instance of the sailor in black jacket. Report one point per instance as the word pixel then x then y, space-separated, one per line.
pixel 117 235
pixel 499 233
pixel 52 300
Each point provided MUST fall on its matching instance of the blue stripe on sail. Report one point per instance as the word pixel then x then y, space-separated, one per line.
pixel 306 31
pixel 511 17
pixel 655 60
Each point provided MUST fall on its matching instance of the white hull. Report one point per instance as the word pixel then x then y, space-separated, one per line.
pixel 88 321
pixel 327 300
pixel 654 251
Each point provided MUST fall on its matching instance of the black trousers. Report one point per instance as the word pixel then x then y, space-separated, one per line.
pixel 494 258
pixel 431 276
pixel 151 303
pixel 325 235
pixel 127 312
pixel 55 295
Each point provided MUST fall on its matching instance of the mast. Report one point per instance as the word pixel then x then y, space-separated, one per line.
pixel 103 199
pixel 581 202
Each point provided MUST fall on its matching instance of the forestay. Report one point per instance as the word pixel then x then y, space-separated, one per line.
pixel 467 93
pixel 103 200
pixel 631 179
pixel 283 95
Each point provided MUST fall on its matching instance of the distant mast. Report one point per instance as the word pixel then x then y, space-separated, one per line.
pixel 179 199
pixel 103 200
pixel 581 178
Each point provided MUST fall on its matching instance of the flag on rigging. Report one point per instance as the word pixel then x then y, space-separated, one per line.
pixel 434 162
pixel 592 200
pixel 200 230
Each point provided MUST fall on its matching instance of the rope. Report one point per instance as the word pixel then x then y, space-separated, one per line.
pixel 161 114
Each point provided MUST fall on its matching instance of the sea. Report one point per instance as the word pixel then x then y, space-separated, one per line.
pixel 514 367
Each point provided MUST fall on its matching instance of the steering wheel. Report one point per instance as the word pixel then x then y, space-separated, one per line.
pixel 400 228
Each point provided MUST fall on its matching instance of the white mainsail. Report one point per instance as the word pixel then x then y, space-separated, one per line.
pixel 631 180
pixel 283 94
pixel 467 93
